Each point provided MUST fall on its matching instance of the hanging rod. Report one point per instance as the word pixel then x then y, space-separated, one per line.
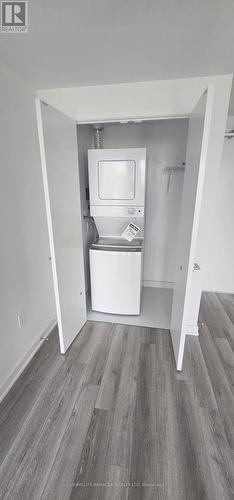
pixel 168 170
pixel 229 135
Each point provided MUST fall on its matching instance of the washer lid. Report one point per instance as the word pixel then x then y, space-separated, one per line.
pixel 117 243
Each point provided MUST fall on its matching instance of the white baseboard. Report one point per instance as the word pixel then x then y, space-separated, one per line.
pixel 21 365
pixel 192 330
pixel 158 284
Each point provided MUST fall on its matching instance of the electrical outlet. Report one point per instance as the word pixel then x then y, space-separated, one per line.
pixel 21 319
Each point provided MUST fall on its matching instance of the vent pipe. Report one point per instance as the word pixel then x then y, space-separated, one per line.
pixel 97 135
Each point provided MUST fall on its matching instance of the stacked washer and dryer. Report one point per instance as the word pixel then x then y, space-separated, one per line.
pixel 117 204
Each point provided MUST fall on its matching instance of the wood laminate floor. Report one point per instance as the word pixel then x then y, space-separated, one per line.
pixel 113 420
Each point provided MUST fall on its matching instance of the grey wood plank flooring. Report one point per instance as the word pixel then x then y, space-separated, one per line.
pixel 101 346
pixel 214 315
pixel 220 457
pixel 25 392
pixel 227 356
pixel 25 466
pixel 91 472
pixel 110 381
pixel 149 429
pixel 62 478
pixel 113 420
pixel 195 371
pixel 120 445
pixel 221 386
pixel 117 479
pixel 227 301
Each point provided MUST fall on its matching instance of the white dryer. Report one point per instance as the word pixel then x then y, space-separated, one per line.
pixel 115 269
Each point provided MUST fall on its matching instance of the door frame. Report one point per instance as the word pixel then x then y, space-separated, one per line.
pixel 224 109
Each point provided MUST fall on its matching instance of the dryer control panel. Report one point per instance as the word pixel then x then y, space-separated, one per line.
pixel 116 211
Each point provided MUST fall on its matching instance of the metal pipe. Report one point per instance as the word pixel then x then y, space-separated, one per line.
pixel 97 135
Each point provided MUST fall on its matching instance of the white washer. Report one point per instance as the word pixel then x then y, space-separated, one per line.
pixel 115 269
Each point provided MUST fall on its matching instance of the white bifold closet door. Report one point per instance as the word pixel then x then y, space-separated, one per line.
pixel 59 159
pixel 196 156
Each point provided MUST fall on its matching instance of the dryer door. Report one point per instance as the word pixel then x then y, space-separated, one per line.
pixel 117 177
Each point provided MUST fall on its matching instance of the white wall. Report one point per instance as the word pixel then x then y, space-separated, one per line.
pixel 161 98
pixel 219 275
pixel 165 142
pixel 26 281
pixel 166 146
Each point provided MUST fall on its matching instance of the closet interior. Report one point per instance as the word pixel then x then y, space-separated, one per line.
pixel 164 143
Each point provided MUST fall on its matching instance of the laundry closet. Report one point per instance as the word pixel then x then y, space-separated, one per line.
pixel 131 282
pixel 123 202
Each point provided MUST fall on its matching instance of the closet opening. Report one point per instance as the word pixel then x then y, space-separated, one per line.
pixel 157 226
